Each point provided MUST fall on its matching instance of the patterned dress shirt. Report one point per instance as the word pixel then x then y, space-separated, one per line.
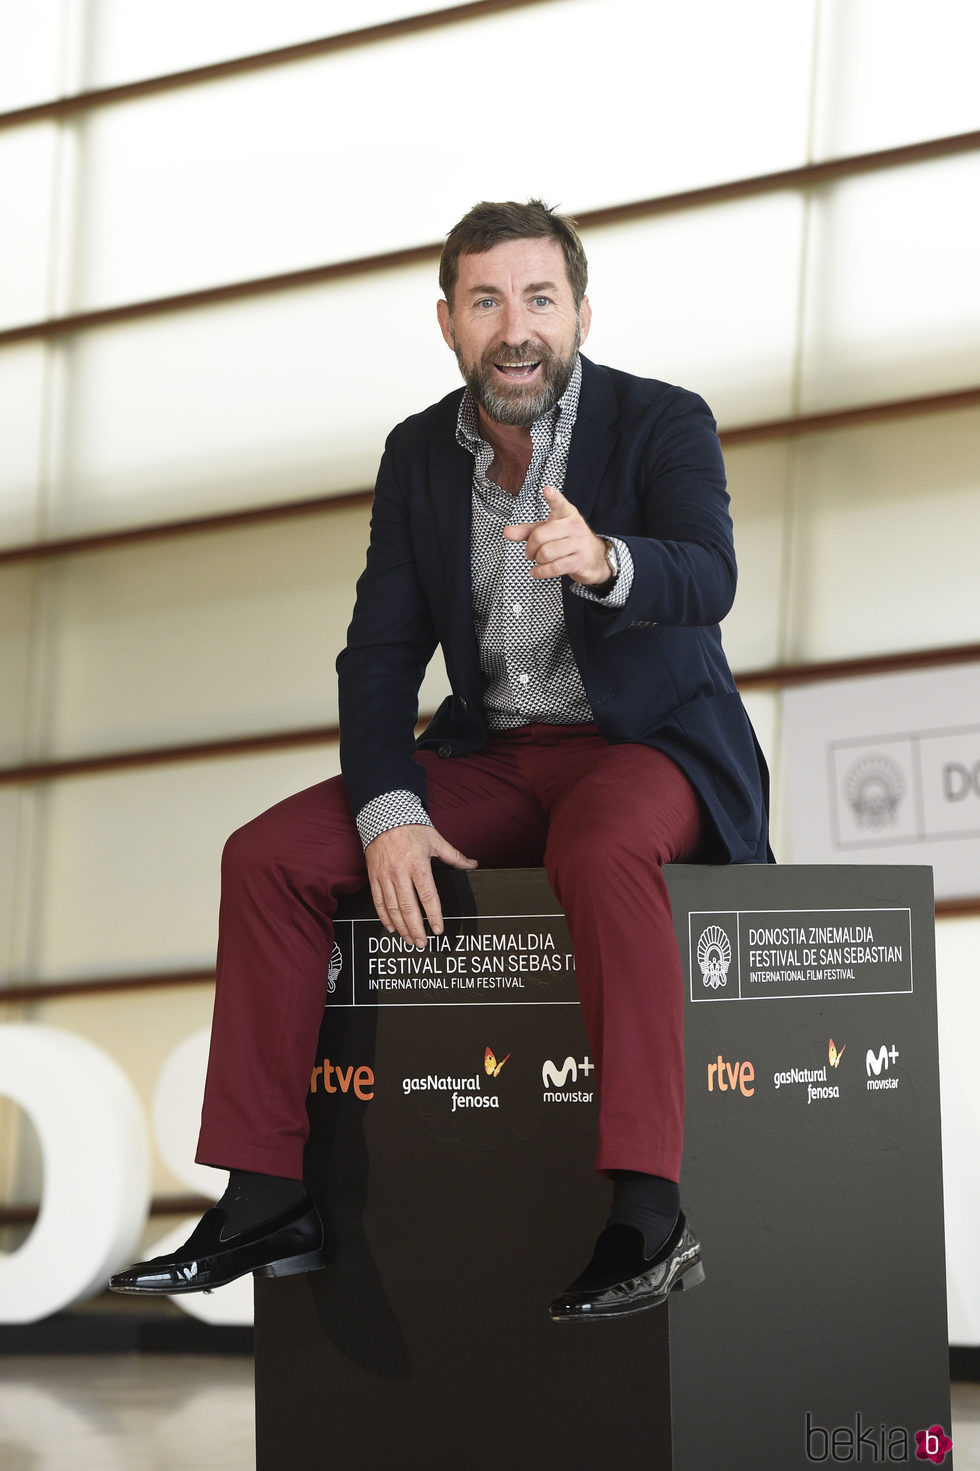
pixel 529 671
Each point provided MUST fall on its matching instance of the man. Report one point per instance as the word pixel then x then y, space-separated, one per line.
pixel 562 530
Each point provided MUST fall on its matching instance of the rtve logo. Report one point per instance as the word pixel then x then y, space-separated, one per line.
pixel 337 1079
pixel 729 1076
pixel 554 1077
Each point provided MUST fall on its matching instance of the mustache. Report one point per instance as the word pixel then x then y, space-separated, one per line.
pixel 517 355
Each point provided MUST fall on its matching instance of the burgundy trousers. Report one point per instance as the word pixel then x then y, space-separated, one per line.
pixel 602 818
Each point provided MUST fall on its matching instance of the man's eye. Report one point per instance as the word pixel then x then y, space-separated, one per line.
pixel 540 300
pixel 486 301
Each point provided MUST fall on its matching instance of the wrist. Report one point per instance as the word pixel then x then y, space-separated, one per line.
pixel 609 570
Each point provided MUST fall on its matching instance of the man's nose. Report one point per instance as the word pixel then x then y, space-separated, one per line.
pixel 515 323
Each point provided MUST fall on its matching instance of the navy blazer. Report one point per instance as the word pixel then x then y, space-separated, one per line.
pixel 644 465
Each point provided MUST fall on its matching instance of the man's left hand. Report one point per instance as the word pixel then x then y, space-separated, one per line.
pixel 563 545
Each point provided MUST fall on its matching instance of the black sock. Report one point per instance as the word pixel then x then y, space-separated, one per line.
pixel 648 1202
pixel 251 1199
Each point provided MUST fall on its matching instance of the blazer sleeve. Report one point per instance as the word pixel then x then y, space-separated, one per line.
pixel 390 641
pixel 684 571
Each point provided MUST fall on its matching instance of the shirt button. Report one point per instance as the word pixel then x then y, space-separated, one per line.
pixel 517 610
pixel 523 679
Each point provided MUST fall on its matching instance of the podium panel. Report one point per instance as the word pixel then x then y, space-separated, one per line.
pixel 453 1112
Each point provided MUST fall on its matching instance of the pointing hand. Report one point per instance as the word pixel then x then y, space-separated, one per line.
pixel 563 545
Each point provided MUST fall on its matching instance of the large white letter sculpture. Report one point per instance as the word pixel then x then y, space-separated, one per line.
pixel 96 1159
pixel 176 1117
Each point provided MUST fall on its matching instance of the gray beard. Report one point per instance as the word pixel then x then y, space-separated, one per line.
pixel 519 407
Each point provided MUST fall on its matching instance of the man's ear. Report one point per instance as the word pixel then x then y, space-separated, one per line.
pixel 585 318
pixel 445 316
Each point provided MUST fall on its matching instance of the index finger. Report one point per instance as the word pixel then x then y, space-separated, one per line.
pixel 425 887
pixel 558 502
pixel 403 909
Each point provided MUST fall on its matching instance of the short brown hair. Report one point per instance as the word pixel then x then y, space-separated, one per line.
pixel 487 225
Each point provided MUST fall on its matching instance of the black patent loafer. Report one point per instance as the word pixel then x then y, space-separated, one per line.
pixel 280 1247
pixel 620 1280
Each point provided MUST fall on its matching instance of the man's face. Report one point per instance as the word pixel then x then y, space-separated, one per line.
pixel 514 328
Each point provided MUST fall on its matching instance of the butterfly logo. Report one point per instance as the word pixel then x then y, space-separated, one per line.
pixel 491 1064
pixel 834 1055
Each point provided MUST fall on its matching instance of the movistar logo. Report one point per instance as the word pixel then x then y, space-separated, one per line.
pixel 877 1063
pixel 554 1077
pixel 560 1081
pixel 874 1064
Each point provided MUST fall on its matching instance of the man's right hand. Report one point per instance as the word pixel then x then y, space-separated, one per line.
pixel 399 865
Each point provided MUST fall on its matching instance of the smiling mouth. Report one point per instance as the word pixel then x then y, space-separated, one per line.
pixel 517 372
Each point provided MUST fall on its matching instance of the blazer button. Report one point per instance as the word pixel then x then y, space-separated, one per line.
pixel 464 705
pixel 445 750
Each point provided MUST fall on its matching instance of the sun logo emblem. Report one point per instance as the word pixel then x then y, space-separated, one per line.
pixel 873 788
pixel 334 968
pixel 714 956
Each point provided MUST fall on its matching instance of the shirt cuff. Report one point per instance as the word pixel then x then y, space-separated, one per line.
pixel 620 590
pixel 391 809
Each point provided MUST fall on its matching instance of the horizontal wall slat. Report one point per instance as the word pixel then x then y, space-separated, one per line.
pixel 780 676
pixel 160 1205
pixel 104 985
pixel 775 677
pixel 248 745
pixel 192 525
pixel 881 412
pixel 79 102
pixel 807 176
pixel 794 427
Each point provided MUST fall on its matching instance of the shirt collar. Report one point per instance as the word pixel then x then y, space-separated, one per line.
pixel 559 420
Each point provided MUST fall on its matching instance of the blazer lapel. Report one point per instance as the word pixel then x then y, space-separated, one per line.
pixel 450 481
pixel 593 438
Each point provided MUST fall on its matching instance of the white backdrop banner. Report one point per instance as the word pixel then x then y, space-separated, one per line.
pixel 886 770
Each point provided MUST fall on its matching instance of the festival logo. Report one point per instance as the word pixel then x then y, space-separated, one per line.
pixel 714 954
pixel 334 968
pixel 873 789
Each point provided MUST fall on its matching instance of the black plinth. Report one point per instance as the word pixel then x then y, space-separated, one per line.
pixel 453 1118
